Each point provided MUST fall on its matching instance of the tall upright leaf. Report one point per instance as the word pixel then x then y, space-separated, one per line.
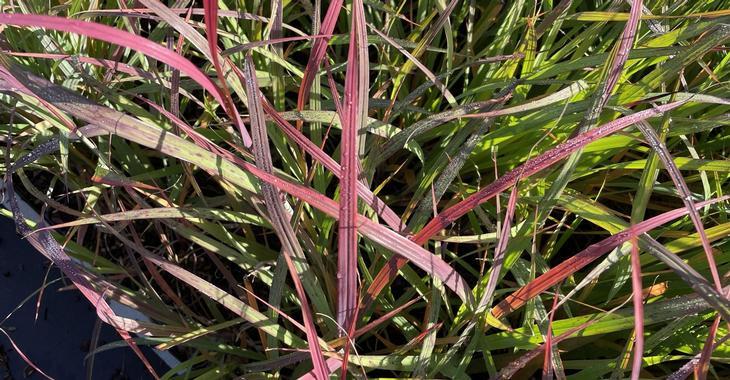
pixel 355 113
pixel 318 51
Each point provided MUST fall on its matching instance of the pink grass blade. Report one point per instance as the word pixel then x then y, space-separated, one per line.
pixel 379 234
pixel 574 263
pixel 622 51
pixel 550 347
pixel 270 41
pixel 663 153
pixel 118 37
pixel 23 356
pixel 638 300
pixel 49 247
pixel 196 137
pixel 17 85
pixel 499 250
pixel 211 32
pixel 44 243
pixel 376 232
pixel 333 89
pixel 703 365
pixel 527 169
pixel 356 95
pixel 681 185
pixel 332 365
pixel 318 51
pixel 279 220
pixel 112 122
pixel 684 192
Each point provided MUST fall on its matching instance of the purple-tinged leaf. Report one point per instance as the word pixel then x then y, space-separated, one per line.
pixel 622 51
pixel 536 165
pixel 666 158
pixel 49 247
pixel 550 347
pixel 703 365
pixel 23 356
pixel 377 233
pixel 271 41
pixel 332 365
pixel 149 136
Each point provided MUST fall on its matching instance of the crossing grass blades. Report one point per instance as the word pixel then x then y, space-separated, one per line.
pixel 363 189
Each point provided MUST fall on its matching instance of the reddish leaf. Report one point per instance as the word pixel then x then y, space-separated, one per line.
pixel 211 32
pixel 486 300
pixel 118 37
pixel 638 309
pixel 356 93
pixel 318 51
pixel 23 356
pixel 550 347
pixel 574 263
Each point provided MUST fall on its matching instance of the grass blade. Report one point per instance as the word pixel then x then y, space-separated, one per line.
pixel 380 207
pixel 638 299
pixel 355 109
pixel 318 51
pixel 240 174
pixel 211 31
pixel 486 300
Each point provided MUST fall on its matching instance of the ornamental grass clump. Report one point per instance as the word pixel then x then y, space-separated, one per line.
pixel 430 189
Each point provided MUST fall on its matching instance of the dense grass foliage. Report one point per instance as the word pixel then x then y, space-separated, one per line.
pixel 426 188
